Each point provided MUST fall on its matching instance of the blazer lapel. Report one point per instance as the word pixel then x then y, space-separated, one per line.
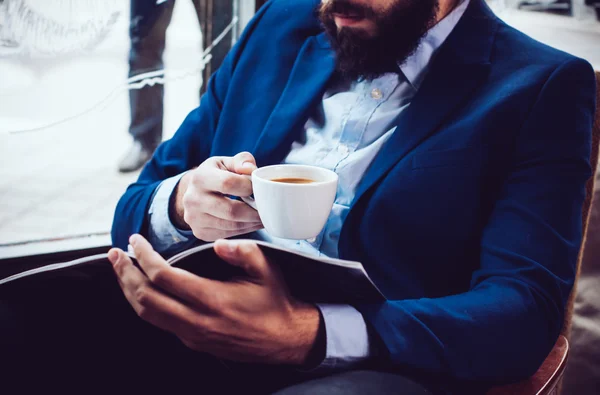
pixel 313 68
pixel 459 67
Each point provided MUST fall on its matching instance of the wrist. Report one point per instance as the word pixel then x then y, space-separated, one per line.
pixel 176 208
pixel 309 337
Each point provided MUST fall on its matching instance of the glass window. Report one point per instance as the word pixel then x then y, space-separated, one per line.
pixel 83 85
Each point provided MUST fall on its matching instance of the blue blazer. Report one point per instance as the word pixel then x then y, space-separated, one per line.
pixel 469 218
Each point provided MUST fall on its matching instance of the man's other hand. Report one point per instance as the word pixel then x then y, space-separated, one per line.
pixel 249 319
pixel 201 203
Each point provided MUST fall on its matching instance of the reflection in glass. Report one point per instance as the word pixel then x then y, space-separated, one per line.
pixel 55 27
pixel 67 99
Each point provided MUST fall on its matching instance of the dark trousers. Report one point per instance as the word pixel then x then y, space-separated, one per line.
pixel 596 5
pixel 73 331
pixel 147 32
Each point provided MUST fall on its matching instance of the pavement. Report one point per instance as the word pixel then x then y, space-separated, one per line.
pixel 61 181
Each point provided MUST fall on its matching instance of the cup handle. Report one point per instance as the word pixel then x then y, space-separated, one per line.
pixel 249 200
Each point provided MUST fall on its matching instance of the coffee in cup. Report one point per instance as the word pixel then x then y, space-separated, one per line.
pixel 293 180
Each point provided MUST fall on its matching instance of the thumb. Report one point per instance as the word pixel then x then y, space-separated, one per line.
pixel 244 163
pixel 244 254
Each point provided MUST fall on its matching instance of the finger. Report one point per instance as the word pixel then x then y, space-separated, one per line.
pixel 227 183
pixel 199 292
pixel 232 210
pixel 214 176
pixel 208 235
pixel 167 313
pixel 129 277
pixel 145 254
pixel 113 255
pixel 242 163
pixel 214 209
pixel 151 304
pixel 219 206
pixel 246 255
pixel 210 221
pixel 121 263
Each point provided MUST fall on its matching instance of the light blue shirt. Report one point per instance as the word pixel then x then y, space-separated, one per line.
pixel 344 134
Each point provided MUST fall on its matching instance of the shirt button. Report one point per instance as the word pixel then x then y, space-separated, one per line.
pixel 376 94
pixel 343 149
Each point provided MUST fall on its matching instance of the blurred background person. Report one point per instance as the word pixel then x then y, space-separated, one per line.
pixel 558 6
pixel 555 6
pixel 149 21
pixel 596 5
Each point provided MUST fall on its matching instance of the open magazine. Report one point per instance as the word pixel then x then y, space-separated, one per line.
pixel 311 279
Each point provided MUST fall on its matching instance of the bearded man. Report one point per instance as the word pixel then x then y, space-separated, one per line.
pixel 462 148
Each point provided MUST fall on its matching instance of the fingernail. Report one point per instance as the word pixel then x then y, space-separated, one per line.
pixel 134 239
pixel 248 165
pixel 113 256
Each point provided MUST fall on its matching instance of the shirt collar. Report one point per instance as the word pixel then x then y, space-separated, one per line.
pixel 415 67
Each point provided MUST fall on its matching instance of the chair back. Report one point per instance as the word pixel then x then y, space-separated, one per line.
pixel 590 220
pixel 547 379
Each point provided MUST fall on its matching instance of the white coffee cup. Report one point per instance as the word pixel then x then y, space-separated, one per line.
pixel 293 210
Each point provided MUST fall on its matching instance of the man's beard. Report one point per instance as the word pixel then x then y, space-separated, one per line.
pixel 399 32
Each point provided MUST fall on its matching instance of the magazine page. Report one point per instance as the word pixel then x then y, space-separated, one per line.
pixel 310 278
pixel 56 266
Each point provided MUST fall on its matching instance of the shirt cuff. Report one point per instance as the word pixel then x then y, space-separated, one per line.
pixel 162 234
pixel 347 337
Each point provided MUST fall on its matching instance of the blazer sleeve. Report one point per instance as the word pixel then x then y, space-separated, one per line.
pixel 189 147
pixel 505 325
